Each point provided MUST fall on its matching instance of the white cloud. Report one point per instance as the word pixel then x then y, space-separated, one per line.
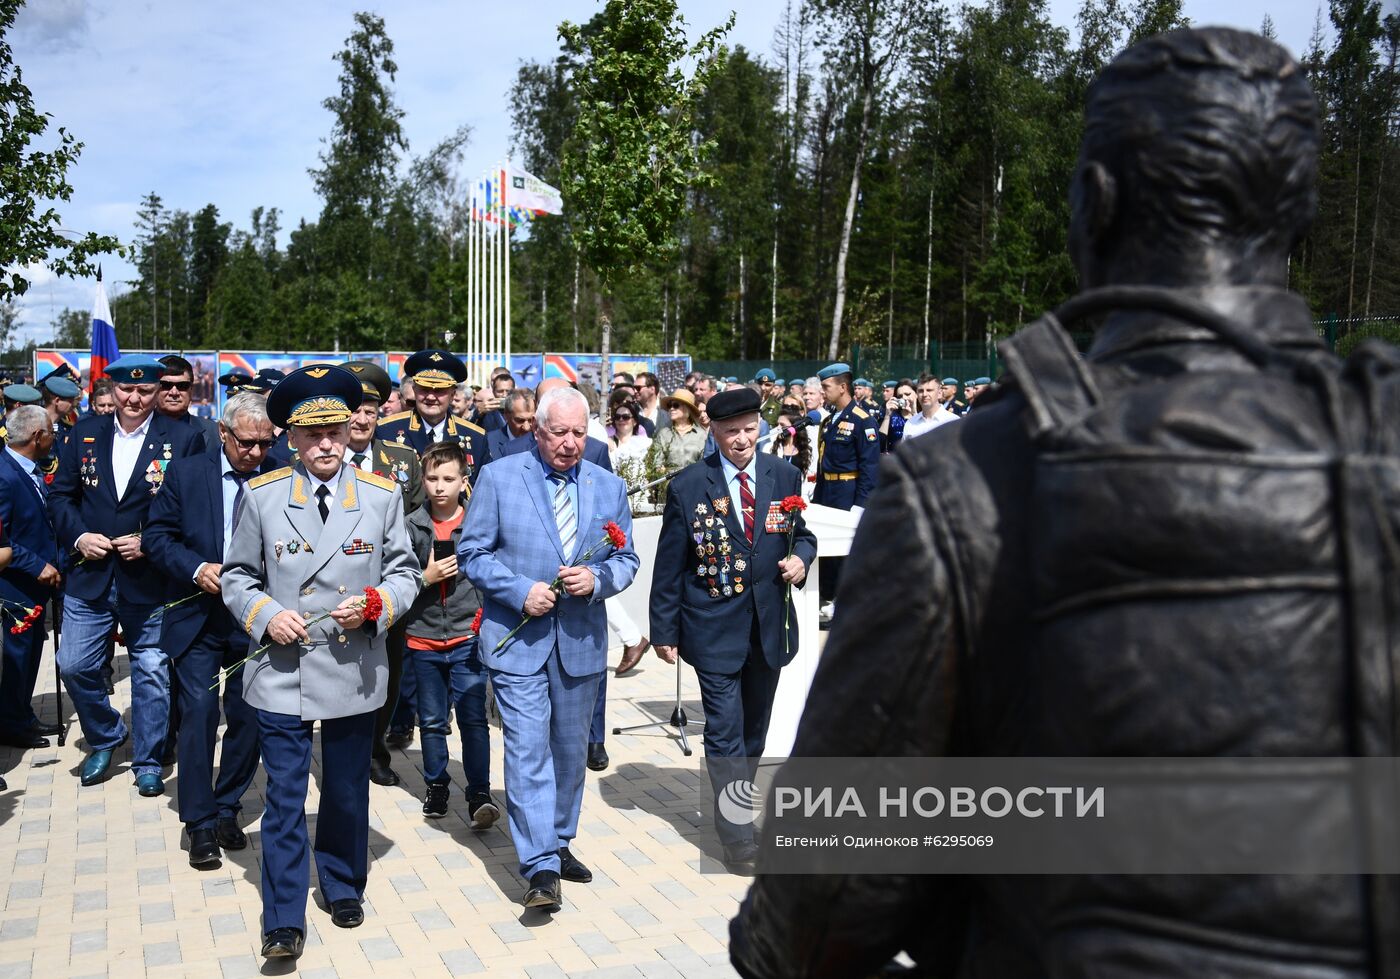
pixel 53 25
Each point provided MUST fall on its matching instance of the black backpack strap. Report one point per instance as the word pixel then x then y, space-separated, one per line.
pixel 1052 375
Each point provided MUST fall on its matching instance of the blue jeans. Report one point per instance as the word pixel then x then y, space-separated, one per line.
pixel 453 680
pixel 81 654
pixel 407 705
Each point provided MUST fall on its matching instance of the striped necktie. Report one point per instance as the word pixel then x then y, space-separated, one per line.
pixel 564 517
pixel 746 503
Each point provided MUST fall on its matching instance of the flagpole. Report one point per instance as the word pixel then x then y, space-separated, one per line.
pixel 471 224
pixel 505 206
pixel 495 272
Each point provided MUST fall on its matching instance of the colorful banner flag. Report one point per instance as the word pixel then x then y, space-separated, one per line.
pixel 529 193
pixel 104 336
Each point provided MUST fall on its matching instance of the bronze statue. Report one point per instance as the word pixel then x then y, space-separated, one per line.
pixel 1181 544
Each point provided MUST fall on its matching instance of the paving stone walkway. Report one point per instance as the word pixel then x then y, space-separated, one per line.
pixel 95 882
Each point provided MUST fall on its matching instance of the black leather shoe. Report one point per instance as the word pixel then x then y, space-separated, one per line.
pixel 107 677
pixel 740 858
pixel 47 730
pixel 543 894
pixel 283 943
pixel 597 756
pixel 4 787
pixel 399 739
pixel 24 739
pixel 204 848
pixel 347 913
pixel 228 834
pixel 572 868
pixel 381 774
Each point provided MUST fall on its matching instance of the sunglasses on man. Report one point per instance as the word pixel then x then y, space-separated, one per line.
pixel 181 386
pixel 248 444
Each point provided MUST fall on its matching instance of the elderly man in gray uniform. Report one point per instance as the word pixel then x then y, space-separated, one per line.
pixel 318 570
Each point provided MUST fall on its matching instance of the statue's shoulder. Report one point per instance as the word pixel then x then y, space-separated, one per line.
pixel 269 477
pixel 374 479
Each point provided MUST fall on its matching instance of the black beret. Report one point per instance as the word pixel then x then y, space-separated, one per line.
pixel 727 404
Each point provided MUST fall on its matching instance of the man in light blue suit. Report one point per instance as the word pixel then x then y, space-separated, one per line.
pixel 534 515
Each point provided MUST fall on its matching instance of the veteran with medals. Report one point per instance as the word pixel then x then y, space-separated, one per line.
pixel 100 501
pixel 732 545
pixel 318 571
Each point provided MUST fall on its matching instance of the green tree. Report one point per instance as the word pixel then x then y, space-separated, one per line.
pixel 30 179
pixel 355 179
pixel 630 157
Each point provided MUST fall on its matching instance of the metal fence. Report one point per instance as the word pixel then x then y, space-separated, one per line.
pixel 967 361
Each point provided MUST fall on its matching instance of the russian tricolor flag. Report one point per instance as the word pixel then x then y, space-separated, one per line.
pixel 104 336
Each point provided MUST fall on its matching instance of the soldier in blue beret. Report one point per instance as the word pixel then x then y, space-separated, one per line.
pixel 949 396
pixel 100 502
pixel 848 455
pixel 435 375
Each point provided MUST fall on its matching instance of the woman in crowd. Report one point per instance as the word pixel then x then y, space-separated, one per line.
pixel 625 441
pixel 793 441
pixel 682 443
pixel 901 409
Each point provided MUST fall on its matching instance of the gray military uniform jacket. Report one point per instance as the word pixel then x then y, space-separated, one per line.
pixel 281 557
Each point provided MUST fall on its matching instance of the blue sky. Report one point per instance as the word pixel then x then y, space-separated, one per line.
pixel 221 102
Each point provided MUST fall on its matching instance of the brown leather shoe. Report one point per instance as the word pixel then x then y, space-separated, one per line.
pixel 631 655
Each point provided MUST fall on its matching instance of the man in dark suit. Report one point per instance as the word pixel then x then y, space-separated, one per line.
pixel 192 521
pixel 100 501
pixel 176 396
pixel 720 592
pixel 519 411
pixel 32 574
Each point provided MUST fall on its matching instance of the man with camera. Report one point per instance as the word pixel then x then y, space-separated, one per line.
pixel 932 411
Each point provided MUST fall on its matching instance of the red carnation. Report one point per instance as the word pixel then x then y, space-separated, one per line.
pixel 476 623
pixel 615 535
pixel 793 504
pixel 48 479
pixel 374 605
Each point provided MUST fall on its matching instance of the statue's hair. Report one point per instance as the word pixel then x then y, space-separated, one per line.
pixel 1211 134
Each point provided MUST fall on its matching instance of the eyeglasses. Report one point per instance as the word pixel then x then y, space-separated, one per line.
pixel 621 416
pixel 176 385
pixel 248 444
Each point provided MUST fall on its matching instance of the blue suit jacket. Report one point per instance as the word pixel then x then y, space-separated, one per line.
pixel 186 529
pixel 83 502
pixel 496 441
pixel 511 542
pixel 594 451
pixel 713 631
pixel 27 526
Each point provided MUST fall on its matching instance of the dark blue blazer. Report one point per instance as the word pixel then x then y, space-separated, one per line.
pixel 496 440
pixel 281 452
pixel 594 451
pixel 206 429
pixel 27 526
pixel 186 529
pixel 78 506
pixel 713 632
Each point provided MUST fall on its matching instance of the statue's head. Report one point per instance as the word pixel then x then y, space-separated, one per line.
pixel 1198 163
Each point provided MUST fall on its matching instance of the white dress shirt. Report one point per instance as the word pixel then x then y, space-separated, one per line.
pixel 920 424
pixel 125 450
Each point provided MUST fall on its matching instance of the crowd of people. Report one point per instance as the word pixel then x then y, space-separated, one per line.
pixel 341 551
